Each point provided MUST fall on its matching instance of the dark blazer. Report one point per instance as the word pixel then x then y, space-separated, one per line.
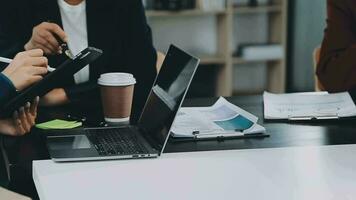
pixel 337 66
pixel 118 27
pixel 7 90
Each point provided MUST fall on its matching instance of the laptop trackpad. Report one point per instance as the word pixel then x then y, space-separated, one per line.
pixel 68 142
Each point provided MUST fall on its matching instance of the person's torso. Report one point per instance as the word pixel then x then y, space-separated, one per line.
pixel 106 29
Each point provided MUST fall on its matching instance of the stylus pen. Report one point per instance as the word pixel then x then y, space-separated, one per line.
pixel 8 60
pixel 65 47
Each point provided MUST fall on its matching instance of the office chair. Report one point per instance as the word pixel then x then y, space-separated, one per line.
pixel 316 57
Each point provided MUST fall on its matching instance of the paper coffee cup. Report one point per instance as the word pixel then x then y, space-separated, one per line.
pixel 117 91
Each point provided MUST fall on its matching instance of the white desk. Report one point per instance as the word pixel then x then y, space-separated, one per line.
pixel 327 173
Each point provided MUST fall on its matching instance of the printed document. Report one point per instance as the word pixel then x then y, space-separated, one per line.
pixel 308 105
pixel 221 118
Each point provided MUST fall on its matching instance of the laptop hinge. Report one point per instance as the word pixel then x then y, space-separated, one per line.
pixel 151 141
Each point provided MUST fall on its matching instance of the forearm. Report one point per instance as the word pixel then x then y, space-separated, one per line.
pixel 11 35
pixel 337 71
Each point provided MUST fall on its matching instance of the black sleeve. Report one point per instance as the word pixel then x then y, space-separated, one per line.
pixel 83 93
pixel 12 37
pixel 7 90
pixel 141 56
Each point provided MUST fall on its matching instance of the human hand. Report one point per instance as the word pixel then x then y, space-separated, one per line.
pixel 22 121
pixel 26 68
pixel 44 37
pixel 55 97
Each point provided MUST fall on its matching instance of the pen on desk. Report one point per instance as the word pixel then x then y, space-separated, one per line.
pixel 8 60
pixel 222 135
pixel 215 131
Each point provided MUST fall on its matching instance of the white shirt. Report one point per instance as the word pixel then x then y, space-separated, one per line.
pixel 74 20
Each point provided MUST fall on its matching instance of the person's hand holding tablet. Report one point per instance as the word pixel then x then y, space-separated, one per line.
pixel 22 121
pixel 27 68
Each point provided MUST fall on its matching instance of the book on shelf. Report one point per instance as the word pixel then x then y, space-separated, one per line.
pixel 172 5
pixel 239 3
pixel 263 2
pixel 211 5
pixel 260 51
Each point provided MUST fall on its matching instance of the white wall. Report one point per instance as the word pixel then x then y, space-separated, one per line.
pixel 308 26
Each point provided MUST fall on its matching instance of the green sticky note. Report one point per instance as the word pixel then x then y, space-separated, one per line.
pixel 59 124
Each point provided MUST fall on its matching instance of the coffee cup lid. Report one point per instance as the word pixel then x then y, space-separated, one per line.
pixel 116 79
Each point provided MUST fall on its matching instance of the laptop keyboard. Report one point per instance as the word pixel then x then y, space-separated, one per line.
pixel 111 142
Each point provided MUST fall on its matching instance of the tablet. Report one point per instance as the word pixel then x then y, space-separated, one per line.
pixel 66 70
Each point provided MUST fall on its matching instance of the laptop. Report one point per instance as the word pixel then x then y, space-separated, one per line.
pixel 149 137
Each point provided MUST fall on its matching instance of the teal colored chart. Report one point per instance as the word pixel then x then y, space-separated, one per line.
pixel 238 123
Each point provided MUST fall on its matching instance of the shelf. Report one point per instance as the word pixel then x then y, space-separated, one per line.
pixel 196 12
pixel 224 60
pixel 257 9
pixel 212 60
pixel 237 60
pixel 248 92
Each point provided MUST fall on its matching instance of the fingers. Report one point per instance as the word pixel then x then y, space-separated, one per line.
pixel 34 79
pixel 55 29
pixel 18 124
pixel 47 36
pixel 50 41
pixel 29 117
pixel 24 121
pixel 37 61
pixel 34 74
pixel 35 52
pixel 42 43
pixel 31 57
pixel 34 105
pixel 40 62
pixel 39 70
pixel 45 49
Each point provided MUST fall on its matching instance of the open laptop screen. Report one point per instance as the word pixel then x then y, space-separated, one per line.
pixel 167 95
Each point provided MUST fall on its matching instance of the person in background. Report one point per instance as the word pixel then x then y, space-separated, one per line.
pixel 337 65
pixel 26 69
pixel 119 28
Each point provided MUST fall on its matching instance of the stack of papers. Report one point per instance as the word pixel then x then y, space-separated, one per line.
pixel 223 119
pixel 59 124
pixel 307 106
